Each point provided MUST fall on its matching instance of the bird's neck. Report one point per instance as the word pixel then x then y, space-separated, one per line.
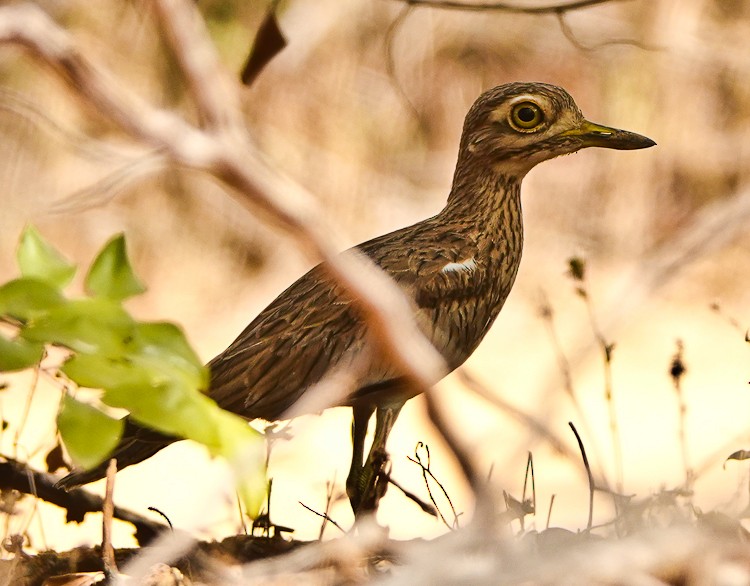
pixel 487 205
pixel 482 223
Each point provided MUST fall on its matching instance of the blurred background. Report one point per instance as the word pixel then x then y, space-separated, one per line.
pixel 364 109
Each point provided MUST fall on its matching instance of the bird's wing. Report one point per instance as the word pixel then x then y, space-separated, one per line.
pixel 432 264
pixel 447 278
pixel 287 348
pixel 311 327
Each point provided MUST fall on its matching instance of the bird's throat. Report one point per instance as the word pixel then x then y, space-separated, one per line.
pixel 487 206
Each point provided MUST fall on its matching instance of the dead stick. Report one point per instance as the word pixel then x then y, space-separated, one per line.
pixel 108 509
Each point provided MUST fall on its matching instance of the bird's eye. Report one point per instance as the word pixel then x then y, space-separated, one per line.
pixel 526 116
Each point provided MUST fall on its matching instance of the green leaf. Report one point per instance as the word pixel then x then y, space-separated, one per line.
pixel 245 451
pixel 185 412
pixel 40 260
pixel 91 326
pixel 28 297
pixel 19 354
pixel 164 346
pixel 89 434
pixel 111 275
pixel 171 407
pixel 98 372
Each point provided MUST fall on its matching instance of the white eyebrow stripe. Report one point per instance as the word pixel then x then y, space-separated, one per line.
pixel 464 266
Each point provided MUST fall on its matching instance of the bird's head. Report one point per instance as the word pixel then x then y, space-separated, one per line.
pixel 515 126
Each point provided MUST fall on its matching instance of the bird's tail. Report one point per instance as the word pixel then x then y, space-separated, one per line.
pixel 137 444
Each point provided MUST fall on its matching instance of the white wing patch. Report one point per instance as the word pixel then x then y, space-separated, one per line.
pixel 465 266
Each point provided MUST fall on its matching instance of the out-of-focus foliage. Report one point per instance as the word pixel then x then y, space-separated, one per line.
pixel 148 369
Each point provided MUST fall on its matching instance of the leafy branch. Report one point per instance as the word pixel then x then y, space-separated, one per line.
pixel 146 368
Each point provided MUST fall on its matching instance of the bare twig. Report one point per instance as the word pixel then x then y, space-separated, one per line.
pixel 529 474
pixel 547 314
pixel 326 518
pixel 711 229
pixel 431 510
pixel 560 9
pixel 77 502
pixel 427 474
pixel 537 427
pixel 26 410
pixel 577 271
pixel 592 486
pixel 35 507
pixel 228 156
pixel 484 513
pixel 390 61
pixel 100 151
pixel 730 319
pixel 507 6
pixel 108 552
pixel 329 499
pixel 104 190
pixel 213 89
pixel 240 513
pixel 677 370
pixel 570 35
pixel 549 510
pixel 163 515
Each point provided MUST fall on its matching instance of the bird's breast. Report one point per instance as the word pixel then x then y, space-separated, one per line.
pixel 459 304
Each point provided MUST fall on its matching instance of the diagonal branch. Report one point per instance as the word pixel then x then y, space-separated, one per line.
pixel 77 502
pixel 229 157
pixel 213 89
pixel 556 7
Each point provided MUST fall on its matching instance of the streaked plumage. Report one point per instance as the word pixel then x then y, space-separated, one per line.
pixel 457 267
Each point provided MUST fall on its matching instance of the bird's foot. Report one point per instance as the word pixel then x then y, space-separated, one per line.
pixel 367 484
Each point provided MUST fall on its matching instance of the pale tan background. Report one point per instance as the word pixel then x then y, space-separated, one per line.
pixel 665 232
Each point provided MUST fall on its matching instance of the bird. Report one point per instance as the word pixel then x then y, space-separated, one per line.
pixel 456 269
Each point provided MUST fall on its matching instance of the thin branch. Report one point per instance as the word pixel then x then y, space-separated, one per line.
pixel 212 88
pixel 390 63
pixel 549 510
pixel 329 500
pixel 108 552
pixel 529 473
pixel 547 314
pixel 529 421
pixel 677 370
pixel 577 272
pixel 325 516
pixel 99 151
pixel 17 476
pixel 731 320
pixel 163 515
pixel 592 486
pixel 230 157
pixel 104 190
pixel 427 473
pixel 431 510
pixel 507 6
pixel 570 35
pixel 484 514
pixel 26 409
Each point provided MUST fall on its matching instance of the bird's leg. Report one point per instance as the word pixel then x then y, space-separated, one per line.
pixel 360 419
pixel 373 480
